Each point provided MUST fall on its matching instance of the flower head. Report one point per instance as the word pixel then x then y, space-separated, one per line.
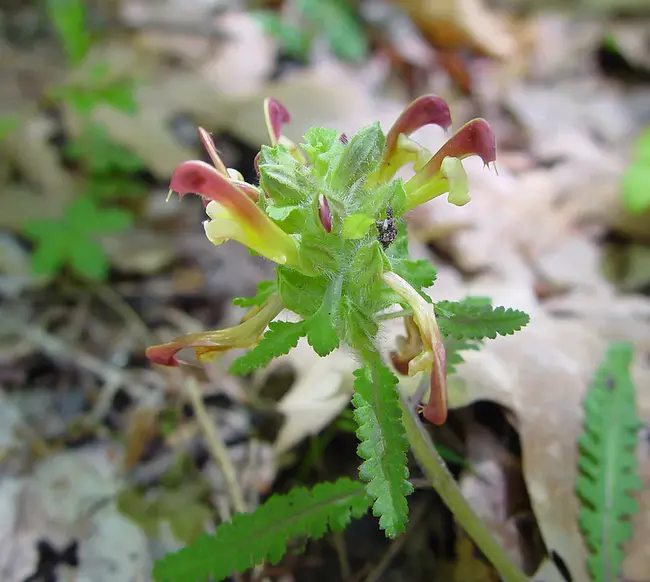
pixel 441 172
pixel 330 213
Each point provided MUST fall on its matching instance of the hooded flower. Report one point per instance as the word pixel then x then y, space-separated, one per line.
pixel 209 344
pixel 325 203
pixel 233 214
pixel 422 350
pixel 442 172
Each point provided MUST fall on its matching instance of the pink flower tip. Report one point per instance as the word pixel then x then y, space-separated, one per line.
pixel 324 213
pixel 425 110
pixel 276 116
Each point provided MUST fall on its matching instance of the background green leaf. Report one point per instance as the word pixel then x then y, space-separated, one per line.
pixel 607 464
pixel 69 19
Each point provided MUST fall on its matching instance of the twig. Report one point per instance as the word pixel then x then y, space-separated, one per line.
pixel 443 482
pixel 216 446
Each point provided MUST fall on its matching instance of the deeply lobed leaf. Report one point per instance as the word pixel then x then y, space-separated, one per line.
pixel 607 464
pixel 476 320
pixel 383 445
pixel 280 338
pixel 251 538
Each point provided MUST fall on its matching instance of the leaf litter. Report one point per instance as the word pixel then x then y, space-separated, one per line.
pixel 105 452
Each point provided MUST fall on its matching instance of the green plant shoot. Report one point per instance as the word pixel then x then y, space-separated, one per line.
pixel 330 213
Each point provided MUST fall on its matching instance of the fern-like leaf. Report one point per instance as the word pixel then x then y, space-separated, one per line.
pixel 278 340
pixel 264 290
pixel 453 348
pixel 607 463
pixel 477 320
pixel 383 445
pixel 251 538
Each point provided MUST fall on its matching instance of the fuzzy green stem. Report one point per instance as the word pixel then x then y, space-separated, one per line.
pixel 443 482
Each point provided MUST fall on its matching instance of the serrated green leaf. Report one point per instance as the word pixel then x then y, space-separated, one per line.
pixel 368 264
pixel 383 445
pixel 419 273
pixel 356 226
pixel 279 339
pixel 453 349
pixel 321 333
pixel 301 294
pixel 391 194
pixel 69 19
pixel 359 158
pixel 469 320
pixel 279 213
pixel 251 538
pixel 264 290
pixel 607 464
pixel 283 178
pixel 323 148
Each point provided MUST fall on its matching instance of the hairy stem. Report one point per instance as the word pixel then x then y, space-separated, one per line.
pixel 443 482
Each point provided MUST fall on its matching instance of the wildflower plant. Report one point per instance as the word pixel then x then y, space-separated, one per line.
pixel 330 213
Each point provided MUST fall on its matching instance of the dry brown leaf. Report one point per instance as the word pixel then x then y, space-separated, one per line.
pixel 140 428
pixel 541 375
pixel 455 24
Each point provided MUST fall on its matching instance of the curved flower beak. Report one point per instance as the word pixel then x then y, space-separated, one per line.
pixel 276 116
pixel 209 344
pixel 233 214
pixel 233 175
pixel 444 172
pixel 399 149
pixel 423 347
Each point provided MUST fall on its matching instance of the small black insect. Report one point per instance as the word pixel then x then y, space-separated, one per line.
pixel 387 229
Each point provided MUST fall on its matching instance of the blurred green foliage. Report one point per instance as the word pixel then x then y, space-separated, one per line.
pixel 107 169
pixel 335 20
pixel 636 179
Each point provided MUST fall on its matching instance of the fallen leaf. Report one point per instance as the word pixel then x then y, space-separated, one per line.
pixel 541 375
pixel 141 426
pixel 67 497
pixel 456 24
